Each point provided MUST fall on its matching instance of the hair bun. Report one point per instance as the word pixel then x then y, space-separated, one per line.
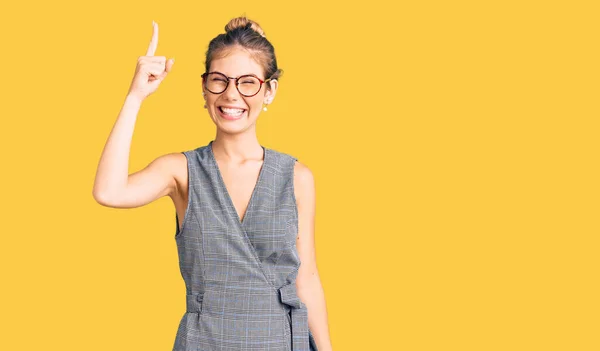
pixel 244 22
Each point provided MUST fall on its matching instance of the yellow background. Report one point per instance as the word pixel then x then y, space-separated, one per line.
pixel 454 146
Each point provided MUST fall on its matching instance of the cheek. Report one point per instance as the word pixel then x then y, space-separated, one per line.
pixel 255 104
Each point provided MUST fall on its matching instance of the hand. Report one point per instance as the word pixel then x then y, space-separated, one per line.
pixel 151 70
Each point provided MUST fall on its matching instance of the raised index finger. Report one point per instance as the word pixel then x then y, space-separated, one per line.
pixel 153 41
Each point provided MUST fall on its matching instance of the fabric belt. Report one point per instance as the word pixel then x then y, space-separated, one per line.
pixel 193 303
pixel 290 299
pixel 291 302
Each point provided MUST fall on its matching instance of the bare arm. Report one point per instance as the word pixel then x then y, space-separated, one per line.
pixel 113 186
pixel 308 283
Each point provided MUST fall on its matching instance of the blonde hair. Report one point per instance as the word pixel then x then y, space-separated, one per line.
pixel 242 32
pixel 243 21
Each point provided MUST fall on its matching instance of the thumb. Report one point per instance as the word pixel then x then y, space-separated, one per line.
pixel 168 68
pixel 169 65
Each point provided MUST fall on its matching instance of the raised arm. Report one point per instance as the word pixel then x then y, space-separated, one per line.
pixel 156 180
pixel 113 186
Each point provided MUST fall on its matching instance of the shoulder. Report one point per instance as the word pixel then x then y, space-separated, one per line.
pixel 179 165
pixel 173 165
pixel 302 175
pixel 304 189
pixel 177 162
pixel 304 182
pixel 170 163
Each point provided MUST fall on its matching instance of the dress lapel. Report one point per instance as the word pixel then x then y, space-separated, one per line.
pixel 249 208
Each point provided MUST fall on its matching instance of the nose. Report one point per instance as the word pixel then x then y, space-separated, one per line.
pixel 231 93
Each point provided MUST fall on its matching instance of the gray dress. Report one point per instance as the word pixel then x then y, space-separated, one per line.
pixel 240 276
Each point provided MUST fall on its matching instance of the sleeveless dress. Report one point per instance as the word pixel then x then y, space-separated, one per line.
pixel 240 276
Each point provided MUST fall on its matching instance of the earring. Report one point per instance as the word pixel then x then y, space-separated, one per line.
pixel 205 106
pixel 266 103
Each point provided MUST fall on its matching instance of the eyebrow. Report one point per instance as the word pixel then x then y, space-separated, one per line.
pixel 246 74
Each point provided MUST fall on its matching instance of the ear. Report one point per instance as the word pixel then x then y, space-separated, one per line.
pixel 270 93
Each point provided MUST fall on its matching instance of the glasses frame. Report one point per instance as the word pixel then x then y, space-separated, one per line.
pixel 205 74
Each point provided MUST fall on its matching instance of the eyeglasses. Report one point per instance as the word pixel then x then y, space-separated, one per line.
pixel 248 85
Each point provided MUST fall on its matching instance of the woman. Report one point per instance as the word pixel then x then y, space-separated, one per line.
pixel 244 212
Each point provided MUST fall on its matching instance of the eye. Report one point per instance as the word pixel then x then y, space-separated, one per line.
pixel 248 80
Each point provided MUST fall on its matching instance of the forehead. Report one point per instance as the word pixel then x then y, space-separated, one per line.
pixel 236 62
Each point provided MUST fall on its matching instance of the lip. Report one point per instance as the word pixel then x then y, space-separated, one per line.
pixel 230 118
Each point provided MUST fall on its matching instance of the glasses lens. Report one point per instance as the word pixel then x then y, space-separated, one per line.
pixel 248 85
pixel 216 82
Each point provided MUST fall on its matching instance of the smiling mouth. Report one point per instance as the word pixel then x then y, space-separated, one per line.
pixel 231 111
pixel 231 114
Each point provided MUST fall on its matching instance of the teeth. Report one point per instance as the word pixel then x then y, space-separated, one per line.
pixel 232 111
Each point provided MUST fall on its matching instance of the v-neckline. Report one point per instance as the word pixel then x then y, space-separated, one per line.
pixel 226 191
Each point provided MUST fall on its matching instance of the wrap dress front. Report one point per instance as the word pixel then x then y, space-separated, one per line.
pixel 240 276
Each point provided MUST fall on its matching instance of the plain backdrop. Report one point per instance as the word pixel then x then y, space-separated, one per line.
pixel 454 146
